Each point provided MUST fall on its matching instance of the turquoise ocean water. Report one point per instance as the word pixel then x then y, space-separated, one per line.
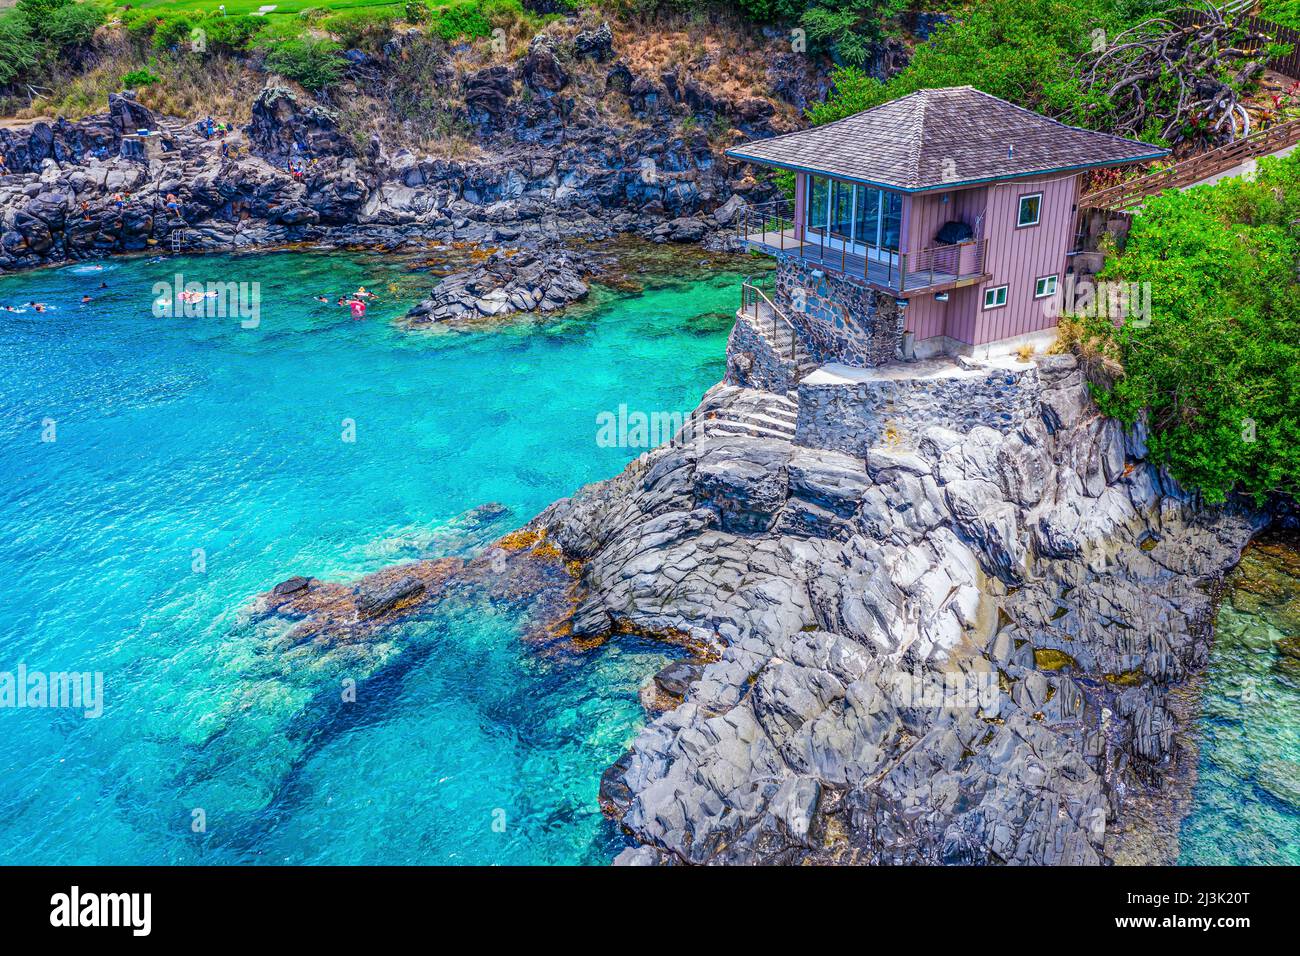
pixel 1246 803
pixel 196 463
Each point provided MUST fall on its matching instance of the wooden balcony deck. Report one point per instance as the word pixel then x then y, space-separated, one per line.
pixel 883 275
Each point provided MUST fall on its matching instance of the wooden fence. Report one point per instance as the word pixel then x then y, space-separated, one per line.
pixel 1193 170
pixel 1288 64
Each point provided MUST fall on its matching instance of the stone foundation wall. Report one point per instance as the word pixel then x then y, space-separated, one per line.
pixel 753 363
pixel 840 320
pixel 853 417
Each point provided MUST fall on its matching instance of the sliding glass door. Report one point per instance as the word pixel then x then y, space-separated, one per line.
pixel 862 219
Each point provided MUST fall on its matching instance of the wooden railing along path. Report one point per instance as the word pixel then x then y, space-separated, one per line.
pixel 1191 171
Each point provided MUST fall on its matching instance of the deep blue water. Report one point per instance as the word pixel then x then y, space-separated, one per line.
pixel 193 442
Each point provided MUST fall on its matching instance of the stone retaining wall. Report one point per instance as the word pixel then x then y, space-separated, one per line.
pixel 839 320
pixel 752 362
pixel 852 417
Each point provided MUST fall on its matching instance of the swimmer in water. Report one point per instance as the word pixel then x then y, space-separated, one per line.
pixel 322 298
pixel 85 299
pixel 361 293
pixel 358 309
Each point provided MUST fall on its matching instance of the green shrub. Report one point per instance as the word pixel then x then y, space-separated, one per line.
pixel 138 78
pixel 231 34
pixel 315 64
pixel 463 20
pixel 1217 364
pixel 173 30
pixel 417 11
pixel 1285 12
pixel 356 29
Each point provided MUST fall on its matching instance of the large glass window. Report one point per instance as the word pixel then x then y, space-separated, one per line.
pixel 866 225
pixel 841 210
pixel 848 212
pixel 893 221
pixel 817 196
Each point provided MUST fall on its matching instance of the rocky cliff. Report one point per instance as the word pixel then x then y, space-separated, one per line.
pixel 566 141
pixel 958 652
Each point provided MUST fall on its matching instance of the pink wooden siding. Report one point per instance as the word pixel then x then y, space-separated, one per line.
pixel 925 214
pixel 1015 257
pixel 928 213
pixel 1018 257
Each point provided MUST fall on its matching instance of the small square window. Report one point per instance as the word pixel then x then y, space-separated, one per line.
pixel 1031 209
pixel 996 297
pixel 1044 287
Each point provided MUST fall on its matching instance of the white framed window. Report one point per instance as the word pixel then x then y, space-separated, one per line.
pixel 996 297
pixel 1044 286
pixel 1031 210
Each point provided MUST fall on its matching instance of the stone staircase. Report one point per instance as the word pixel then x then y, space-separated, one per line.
pixel 780 335
pixel 750 412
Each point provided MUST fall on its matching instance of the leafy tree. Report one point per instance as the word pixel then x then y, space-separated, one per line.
pixel 1019 50
pixel 850 28
pixel 1218 363
pixel 20 52
pixel 37 32
pixel 67 25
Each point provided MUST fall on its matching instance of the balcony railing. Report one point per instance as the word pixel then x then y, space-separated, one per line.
pixel 771 226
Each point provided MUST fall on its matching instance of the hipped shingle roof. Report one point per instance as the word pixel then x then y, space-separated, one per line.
pixel 939 139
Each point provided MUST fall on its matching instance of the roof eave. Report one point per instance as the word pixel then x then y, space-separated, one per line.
pixel 944 187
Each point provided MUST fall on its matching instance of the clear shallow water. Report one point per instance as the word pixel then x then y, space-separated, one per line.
pixel 1246 804
pixel 180 434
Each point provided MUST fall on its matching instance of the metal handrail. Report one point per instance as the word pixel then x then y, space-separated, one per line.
pixel 761 219
pixel 750 295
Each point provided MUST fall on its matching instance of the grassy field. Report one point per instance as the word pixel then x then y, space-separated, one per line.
pixel 234 7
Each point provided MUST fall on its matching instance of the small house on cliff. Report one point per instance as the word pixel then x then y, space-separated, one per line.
pixel 948 213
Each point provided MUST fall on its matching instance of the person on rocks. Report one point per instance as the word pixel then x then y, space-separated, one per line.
pixel 173 206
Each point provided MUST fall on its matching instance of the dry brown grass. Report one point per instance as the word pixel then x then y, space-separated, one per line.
pixel 220 87
pixel 1095 349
